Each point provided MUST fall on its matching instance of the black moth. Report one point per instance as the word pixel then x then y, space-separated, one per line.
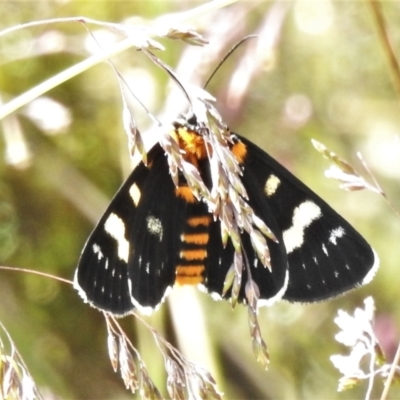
pixel 154 234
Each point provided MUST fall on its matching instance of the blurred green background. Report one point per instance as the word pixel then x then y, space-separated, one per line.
pixel 318 71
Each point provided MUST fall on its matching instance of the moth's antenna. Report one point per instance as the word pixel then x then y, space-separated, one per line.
pixel 228 55
pixel 169 71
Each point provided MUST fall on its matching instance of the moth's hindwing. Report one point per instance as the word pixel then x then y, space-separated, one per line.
pixel 271 284
pixel 162 252
pixel 326 255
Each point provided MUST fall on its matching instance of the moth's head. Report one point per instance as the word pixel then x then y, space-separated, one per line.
pixel 189 121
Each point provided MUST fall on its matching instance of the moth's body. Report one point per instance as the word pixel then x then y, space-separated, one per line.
pixel 195 237
pixel 156 234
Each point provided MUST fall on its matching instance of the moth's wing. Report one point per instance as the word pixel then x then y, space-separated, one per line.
pixel 326 255
pixel 156 238
pixel 102 273
pixel 272 284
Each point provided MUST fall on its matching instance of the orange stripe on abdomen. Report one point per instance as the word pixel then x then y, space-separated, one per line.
pixel 196 221
pixel 189 255
pixel 189 274
pixel 195 238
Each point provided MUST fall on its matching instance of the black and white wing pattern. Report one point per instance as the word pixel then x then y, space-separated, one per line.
pixel 326 255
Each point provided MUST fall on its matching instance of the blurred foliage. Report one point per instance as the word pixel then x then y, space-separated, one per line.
pixel 325 75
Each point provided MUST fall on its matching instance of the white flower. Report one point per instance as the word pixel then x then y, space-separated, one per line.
pixel 350 365
pixel 356 333
pixel 354 329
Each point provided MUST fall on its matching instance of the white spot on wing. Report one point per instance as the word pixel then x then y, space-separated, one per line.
pixel 115 227
pixel 271 185
pixel 336 234
pixel 303 216
pixel 154 226
pixel 97 250
pixel 134 192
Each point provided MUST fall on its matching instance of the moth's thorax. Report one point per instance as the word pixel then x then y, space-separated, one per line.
pixel 192 145
pixel 195 148
pixel 198 151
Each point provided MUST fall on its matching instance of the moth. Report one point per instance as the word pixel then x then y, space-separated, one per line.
pixel 157 233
